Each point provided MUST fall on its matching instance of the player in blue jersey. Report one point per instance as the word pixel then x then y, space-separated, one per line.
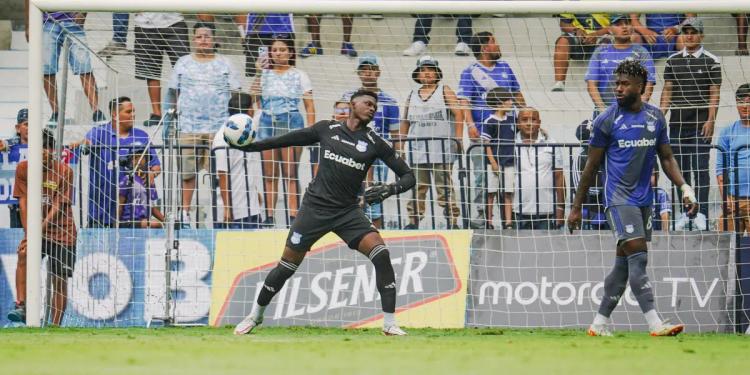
pixel 628 137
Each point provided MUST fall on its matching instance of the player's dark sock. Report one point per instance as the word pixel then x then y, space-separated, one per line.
pixel 385 279
pixel 275 280
pixel 639 283
pixel 614 286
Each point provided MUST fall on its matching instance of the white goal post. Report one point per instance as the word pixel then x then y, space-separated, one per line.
pixel 36 92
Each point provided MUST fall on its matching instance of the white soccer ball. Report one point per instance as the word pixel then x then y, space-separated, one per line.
pixel 239 130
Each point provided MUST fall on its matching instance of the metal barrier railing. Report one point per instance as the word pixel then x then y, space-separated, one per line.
pixel 470 166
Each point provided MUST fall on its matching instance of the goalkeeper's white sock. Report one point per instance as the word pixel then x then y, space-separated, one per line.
pixel 653 320
pixel 389 319
pixel 257 312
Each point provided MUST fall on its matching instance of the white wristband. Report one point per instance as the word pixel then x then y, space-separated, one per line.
pixel 688 192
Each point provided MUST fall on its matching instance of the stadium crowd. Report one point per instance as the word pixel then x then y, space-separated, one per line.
pixel 517 165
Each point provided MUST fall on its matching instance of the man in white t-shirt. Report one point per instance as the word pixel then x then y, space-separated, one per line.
pixel 539 201
pixel 201 86
pixel 239 175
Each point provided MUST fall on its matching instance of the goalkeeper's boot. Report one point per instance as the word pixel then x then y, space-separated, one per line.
pixel 668 329
pixel 18 314
pixel 247 325
pixel 599 330
pixel 393 330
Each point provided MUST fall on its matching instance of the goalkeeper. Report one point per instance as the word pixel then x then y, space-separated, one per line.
pixel 629 136
pixel 347 149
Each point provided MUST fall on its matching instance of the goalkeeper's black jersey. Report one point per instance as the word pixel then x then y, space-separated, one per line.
pixel 345 157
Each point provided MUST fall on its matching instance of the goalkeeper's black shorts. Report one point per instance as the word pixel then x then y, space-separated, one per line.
pixel 313 222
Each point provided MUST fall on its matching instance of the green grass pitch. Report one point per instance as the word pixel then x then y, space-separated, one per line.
pixel 204 351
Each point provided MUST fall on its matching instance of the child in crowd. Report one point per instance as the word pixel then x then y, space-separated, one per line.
pixel 138 196
pixel 500 130
pixel 540 197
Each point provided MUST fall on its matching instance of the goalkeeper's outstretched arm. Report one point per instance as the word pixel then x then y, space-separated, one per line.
pixel 300 137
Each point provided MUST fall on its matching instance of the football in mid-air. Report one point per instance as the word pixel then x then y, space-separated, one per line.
pixel 239 130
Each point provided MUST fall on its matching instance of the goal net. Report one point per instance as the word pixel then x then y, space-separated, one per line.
pixel 492 110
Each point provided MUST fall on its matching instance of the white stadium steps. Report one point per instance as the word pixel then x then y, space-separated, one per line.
pixel 14 59
pixel 526 43
pixel 18 41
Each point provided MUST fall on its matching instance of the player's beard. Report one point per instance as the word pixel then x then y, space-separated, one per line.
pixel 627 100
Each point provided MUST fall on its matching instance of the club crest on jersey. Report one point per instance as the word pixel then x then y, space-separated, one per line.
pixel 361 146
pixel 651 126
pixel 629 228
pixel 296 238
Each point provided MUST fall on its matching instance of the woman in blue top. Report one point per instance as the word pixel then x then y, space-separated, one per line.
pixel 281 87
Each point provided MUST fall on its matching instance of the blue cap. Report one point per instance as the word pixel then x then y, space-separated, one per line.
pixel 368 59
pixel 22 116
pixel 613 19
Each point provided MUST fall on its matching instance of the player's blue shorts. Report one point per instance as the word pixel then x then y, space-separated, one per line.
pixel 279 124
pixel 54 34
pixel 629 222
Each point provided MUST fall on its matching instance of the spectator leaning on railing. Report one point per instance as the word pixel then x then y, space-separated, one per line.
pixel 137 193
pixel 692 80
pixel 102 144
pixel 734 165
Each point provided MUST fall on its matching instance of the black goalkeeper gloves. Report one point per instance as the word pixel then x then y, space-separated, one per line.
pixel 379 192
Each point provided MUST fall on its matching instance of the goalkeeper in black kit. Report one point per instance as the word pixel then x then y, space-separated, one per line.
pixel 331 203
